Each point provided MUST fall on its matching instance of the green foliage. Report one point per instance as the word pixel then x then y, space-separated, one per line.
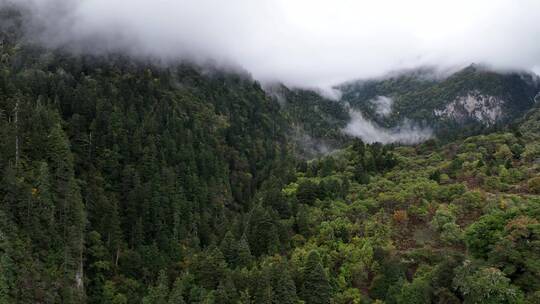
pixel 486 285
pixel 517 253
pixel 122 182
pixel 284 289
pixel 534 185
pixel 315 287
pixel 159 293
pixel 209 268
pixel 243 254
pixel 317 121
pixel 418 291
pixel 482 235
pixel 307 192
pixel 417 94
pixel 262 235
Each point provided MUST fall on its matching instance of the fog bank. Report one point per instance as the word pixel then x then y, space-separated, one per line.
pixel 305 43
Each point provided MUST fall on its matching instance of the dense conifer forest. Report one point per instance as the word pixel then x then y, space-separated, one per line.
pixel 125 181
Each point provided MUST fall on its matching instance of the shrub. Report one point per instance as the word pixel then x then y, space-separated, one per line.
pixel 534 185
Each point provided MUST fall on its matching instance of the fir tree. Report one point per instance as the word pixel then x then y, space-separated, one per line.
pixel 243 254
pixel 176 295
pixel 229 247
pixel 283 286
pixel 159 293
pixel 315 288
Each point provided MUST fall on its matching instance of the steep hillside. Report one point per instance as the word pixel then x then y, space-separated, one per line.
pixel 315 123
pixel 111 167
pixel 450 224
pixel 469 101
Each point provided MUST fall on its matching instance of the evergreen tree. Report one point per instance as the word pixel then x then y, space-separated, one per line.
pixel 283 285
pixel 226 292
pixel 316 288
pixel 176 295
pixel 7 265
pixel 245 298
pixel 159 293
pixel 66 193
pixel 98 267
pixel 209 268
pixel 243 254
pixel 307 192
pixel 261 233
pixel 360 174
pixel 229 248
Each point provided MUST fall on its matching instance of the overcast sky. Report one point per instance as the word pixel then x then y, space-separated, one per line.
pixel 304 42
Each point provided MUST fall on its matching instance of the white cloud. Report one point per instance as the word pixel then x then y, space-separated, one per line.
pixel 302 42
pixel 383 105
pixel 368 131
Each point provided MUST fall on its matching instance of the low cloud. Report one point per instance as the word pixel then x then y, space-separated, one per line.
pixel 368 131
pixel 308 146
pixel 305 43
pixel 383 105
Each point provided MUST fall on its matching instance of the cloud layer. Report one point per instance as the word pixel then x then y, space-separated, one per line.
pixel 301 42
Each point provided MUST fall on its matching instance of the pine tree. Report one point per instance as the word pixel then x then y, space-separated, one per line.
pixel 360 174
pixel 43 208
pixel 177 293
pixel 7 267
pixel 307 192
pixel 159 293
pixel 209 268
pixel 359 147
pixel 245 298
pixel 243 254
pixel 316 288
pixel 283 285
pixel 226 292
pixel 260 233
pixel 263 292
pixel 228 247
pixel 66 194
pixel 98 266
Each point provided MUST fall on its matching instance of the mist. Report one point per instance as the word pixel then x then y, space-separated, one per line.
pixel 304 43
pixel 405 133
pixel 368 131
pixel 383 105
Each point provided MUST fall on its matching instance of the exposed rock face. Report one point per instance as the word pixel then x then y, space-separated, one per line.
pixel 484 108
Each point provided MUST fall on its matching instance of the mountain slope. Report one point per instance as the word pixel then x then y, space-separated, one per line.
pixel 315 122
pixel 469 100
pixel 127 182
pixel 109 165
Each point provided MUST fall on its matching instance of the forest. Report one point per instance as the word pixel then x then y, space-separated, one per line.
pixel 418 94
pixel 124 181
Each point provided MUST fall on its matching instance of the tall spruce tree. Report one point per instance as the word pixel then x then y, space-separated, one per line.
pixel 159 293
pixel 283 285
pixel 316 288
pixel 70 213
pixel 243 253
pixel 229 248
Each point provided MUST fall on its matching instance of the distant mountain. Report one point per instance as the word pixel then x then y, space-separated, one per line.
pixel 466 102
